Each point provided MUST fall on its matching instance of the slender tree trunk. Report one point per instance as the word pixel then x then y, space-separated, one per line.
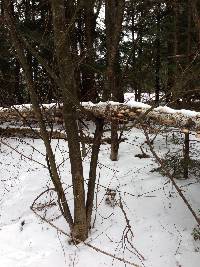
pixel 140 54
pixel 158 61
pixel 89 92
pixel 172 44
pixel 189 31
pixel 114 140
pixel 196 18
pixel 133 32
pixel 18 92
pixel 117 88
pixel 186 154
pixel 93 168
pixel 83 143
pixel 114 12
pixel 29 57
pixel 36 107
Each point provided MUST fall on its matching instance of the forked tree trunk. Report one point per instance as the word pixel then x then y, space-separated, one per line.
pixel 64 56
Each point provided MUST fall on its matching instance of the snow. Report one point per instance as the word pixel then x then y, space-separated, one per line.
pixel 159 220
pixel 165 109
pixel 130 102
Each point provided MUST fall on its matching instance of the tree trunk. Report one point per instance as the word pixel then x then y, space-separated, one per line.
pixel 114 12
pixel 158 61
pixel 140 54
pixel 133 32
pixel 114 140
pixel 89 92
pixel 186 154
pixel 64 56
pixel 36 107
pixel 172 49
pixel 93 168
pixel 189 31
pixel 18 92
pixel 196 18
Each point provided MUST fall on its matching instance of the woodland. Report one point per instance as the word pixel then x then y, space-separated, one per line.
pixel 99 133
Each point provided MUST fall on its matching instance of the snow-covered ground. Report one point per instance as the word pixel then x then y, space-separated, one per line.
pixel 160 222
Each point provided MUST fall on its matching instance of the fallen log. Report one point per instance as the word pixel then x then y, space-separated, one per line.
pixel 109 110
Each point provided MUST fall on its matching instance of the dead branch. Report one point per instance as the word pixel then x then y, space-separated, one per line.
pixel 128 230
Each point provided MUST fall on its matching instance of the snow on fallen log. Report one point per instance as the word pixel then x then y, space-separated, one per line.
pixel 140 112
pixel 124 112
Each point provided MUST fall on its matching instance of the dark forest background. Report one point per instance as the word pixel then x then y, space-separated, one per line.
pixel 117 46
